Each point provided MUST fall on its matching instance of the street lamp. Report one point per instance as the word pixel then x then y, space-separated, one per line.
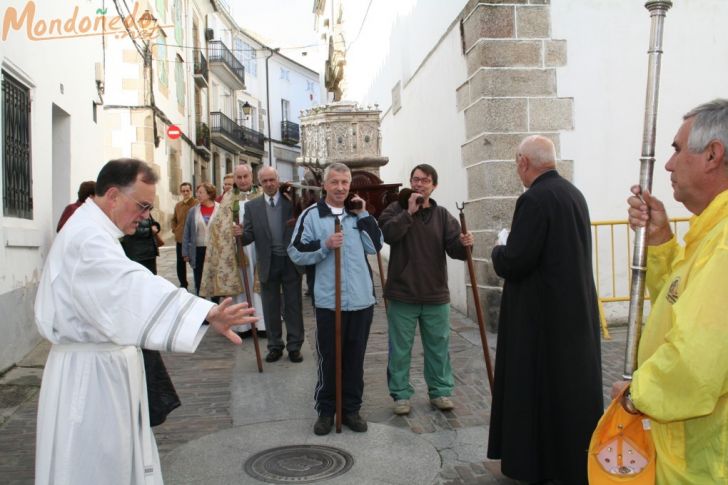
pixel 247 109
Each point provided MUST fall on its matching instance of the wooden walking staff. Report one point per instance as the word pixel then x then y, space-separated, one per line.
pixel 476 301
pixel 381 277
pixel 248 298
pixel 244 268
pixel 657 9
pixel 337 326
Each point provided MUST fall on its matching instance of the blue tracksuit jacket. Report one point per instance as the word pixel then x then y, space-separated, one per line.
pixel 361 237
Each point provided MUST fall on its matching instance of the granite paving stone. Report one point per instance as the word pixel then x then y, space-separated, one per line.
pixel 223 396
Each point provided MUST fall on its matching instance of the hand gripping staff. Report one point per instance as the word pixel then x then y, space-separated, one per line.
pixel 621 448
pixel 476 301
pixel 657 9
pixel 337 326
pixel 240 251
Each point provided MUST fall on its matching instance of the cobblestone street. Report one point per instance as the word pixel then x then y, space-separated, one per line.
pixel 203 381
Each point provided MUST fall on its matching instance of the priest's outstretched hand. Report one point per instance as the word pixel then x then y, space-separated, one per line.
pixel 226 315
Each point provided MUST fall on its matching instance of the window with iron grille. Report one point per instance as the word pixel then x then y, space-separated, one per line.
pixel 17 181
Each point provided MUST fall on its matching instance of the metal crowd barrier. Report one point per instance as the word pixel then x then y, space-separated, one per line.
pixel 612 257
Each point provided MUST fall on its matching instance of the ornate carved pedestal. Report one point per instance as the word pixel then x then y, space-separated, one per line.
pixel 346 133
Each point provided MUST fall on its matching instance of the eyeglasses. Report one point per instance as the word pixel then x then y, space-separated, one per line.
pixel 142 206
pixel 421 180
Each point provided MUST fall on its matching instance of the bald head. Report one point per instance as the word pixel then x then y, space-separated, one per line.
pixel 268 178
pixel 536 155
pixel 539 150
pixel 243 177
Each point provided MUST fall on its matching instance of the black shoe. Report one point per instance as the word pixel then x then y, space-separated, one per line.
pixel 355 422
pixel 246 334
pixel 273 355
pixel 323 425
pixel 262 334
pixel 295 356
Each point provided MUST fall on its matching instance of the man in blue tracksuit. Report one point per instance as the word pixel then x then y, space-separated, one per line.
pixel 314 241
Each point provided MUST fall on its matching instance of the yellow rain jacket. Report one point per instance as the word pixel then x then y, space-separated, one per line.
pixel 682 377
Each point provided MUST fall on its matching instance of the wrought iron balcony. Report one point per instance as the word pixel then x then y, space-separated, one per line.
pixel 290 134
pixel 233 137
pixel 225 65
pixel 253 139
pixel 201 71
pixel 225 132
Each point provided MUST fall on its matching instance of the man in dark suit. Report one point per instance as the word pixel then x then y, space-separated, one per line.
pixel 269 222
pixel 547 396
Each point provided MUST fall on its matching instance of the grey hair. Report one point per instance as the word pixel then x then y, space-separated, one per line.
pixel 336 167
pixel 710 123
pixel 247 166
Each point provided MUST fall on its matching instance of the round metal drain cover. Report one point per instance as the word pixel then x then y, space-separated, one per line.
pixel 298 464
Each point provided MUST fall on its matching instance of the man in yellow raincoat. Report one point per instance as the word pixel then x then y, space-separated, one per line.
pixel 681 381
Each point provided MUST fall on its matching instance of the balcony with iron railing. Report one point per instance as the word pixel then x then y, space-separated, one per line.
pixel 234 137
pixel 225 132
pixel 290 133
pixel 225 65
pixel 253 139
pixel 201 71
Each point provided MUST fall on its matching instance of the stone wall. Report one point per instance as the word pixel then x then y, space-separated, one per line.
pixel 510 93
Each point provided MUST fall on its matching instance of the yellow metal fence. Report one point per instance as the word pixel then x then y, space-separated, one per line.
pixel 612 259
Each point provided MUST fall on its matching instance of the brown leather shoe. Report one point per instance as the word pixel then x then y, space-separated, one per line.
pixel 295 356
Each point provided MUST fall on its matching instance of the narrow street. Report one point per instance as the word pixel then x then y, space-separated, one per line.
pixel 230 412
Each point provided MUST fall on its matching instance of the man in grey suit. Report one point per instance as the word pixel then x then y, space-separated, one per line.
pixel 266 222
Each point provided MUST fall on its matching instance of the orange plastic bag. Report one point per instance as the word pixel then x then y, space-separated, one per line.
pixel 621 448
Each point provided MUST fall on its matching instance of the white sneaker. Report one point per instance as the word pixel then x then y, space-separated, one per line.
pixel 402 407
pixel 442 403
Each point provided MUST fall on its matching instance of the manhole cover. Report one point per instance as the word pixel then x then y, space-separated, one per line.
pixel 298 464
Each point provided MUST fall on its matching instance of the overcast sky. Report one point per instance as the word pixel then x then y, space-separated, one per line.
pixel 288 24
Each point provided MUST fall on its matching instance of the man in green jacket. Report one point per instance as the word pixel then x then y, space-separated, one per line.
pixel 420 234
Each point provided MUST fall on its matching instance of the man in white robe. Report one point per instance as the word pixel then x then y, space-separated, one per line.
pixel 222 275
pixel 99 309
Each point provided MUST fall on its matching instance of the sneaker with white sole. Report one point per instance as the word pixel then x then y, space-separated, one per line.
pixel 442 403
pixel 402 407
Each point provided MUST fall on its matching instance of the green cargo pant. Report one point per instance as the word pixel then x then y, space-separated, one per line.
pixel 435 333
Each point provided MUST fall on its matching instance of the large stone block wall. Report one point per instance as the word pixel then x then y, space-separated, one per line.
pixel 510 93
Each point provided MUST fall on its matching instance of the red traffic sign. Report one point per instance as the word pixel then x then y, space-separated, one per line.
pixel 173 132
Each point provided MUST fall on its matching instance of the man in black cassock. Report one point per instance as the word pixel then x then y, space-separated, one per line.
pixel 548 383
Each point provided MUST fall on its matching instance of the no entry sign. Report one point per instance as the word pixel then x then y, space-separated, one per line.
pixel 173 132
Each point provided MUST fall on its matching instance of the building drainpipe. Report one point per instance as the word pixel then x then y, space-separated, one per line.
pixel 267 104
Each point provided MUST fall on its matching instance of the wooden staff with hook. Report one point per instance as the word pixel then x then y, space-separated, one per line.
pixel 476 300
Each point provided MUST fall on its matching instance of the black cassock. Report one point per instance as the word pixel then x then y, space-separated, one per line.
pixel 548 383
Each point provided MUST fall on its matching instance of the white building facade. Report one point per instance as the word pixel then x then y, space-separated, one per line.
pixel 293 88
pixel 156 81
pixel 274 91
pixel 51 142
pixel 460 83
